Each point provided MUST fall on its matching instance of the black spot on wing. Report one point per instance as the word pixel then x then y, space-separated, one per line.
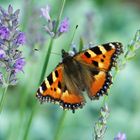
pixel 95 63
pixel 102 60
pixel 107 47
pixel 87 54
pixel 59 85
pixel 43 85
pixel 56 73
pixel 50 79
pixel 96 50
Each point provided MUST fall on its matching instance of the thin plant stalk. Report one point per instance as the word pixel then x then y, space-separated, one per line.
pixel 60 125
pixel 3 98
pixel 60 15
pixel 34 109
pixel 4 93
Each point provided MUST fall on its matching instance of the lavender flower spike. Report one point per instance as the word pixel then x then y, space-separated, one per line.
pixel 64 26
pixel 11 59
pixel 45 13
pixel 120 136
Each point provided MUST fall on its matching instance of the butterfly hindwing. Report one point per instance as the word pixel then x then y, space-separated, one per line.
pixel 53 89
pixel 71 100
pixel 100 84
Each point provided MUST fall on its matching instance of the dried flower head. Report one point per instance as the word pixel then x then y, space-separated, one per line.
pixel 51 25
pixel 11 59
pixel 133 46
pixel 46 12
pixel 100 126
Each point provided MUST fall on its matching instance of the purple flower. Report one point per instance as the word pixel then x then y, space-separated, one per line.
pixel 2 54
pixel 45 12
pixel 4 32
pixel 20 40
pixel 120 136
pixel 64 26
pixel 19 64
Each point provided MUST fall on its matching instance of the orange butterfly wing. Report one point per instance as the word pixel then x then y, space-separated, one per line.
pixel 100 85
pixel 52 90
pixel 102 58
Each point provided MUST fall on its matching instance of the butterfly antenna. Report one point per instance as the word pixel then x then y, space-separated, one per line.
pixel 56 53
pixel 73 34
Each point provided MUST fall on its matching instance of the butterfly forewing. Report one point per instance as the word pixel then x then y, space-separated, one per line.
pixel 50 89
pixel 102 56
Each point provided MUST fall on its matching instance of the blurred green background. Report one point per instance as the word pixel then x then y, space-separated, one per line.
pixel 99 21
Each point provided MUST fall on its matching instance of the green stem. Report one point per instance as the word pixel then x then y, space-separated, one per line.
pixel 46 60
pixel 34 109
pixel 30 121
pixel 43 73
pixel 3 98
pixel 59 126
pixel 4 92
pixel 60 15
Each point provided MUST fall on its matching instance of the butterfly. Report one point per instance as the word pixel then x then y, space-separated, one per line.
pixel 88 70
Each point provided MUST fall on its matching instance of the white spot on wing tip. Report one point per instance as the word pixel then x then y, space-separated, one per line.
pixel 113 46
pixel 40 89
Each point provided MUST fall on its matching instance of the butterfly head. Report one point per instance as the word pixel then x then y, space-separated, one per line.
pixel 64 54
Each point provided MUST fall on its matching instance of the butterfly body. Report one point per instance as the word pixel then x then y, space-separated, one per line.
pixel 85 71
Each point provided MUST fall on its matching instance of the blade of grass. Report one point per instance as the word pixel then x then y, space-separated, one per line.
pixel 60 125
pixel 34 109
pixel 3 98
